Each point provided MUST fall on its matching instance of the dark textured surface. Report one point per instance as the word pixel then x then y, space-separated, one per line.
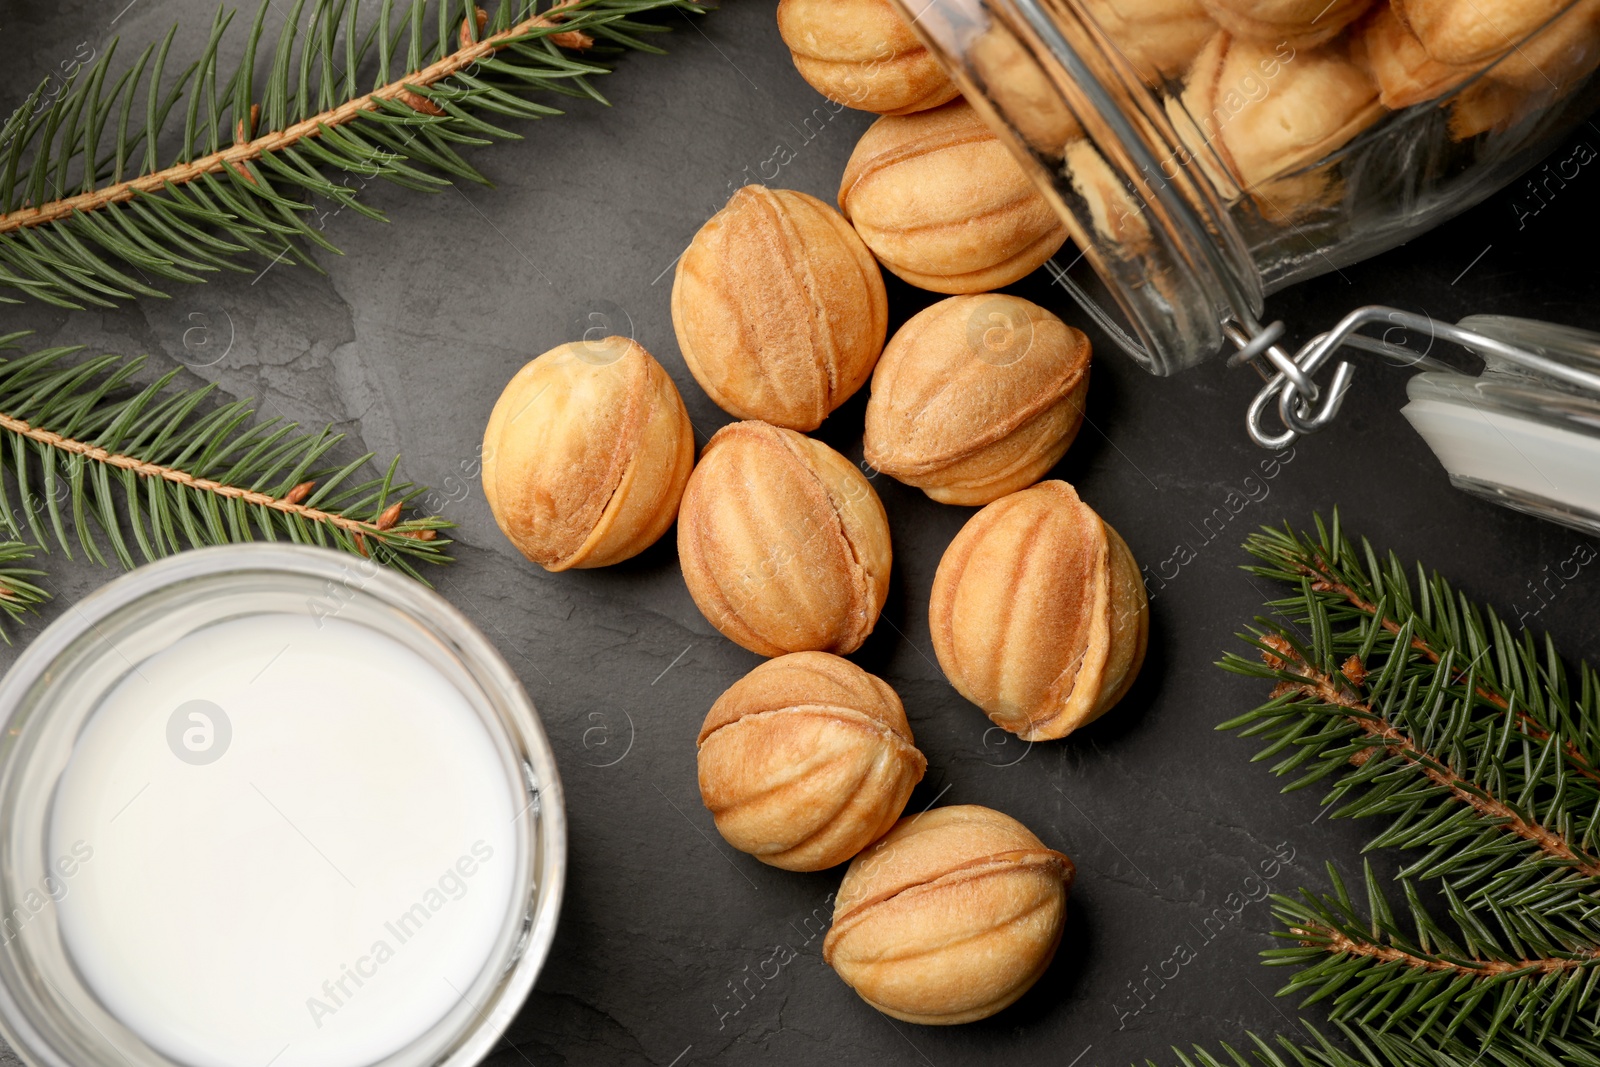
pixel 406 343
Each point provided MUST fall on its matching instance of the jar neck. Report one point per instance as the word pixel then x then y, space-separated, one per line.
pixel 1138 186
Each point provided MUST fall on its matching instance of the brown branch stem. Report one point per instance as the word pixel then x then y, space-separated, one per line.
pixel 1339 943
pixel 1326 689
pixel 236 155
pixel 1324 582
pixel 153 470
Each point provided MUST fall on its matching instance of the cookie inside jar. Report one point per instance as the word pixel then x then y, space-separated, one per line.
pixel 1206 153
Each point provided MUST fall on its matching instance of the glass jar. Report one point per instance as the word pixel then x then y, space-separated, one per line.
pixel 53 1007
pixel 1200 168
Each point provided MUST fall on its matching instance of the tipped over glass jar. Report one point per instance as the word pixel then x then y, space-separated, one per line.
pixel 1205 153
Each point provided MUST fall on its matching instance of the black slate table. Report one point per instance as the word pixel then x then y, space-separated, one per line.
pixel 673 949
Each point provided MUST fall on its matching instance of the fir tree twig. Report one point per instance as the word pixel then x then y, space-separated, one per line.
pixel 118 180
pixel 1311 564
pixel 154 474
pixel 1336 691
pixel 1478 747
pixel 18 593
pixel 1423 969
pixel 1362 1046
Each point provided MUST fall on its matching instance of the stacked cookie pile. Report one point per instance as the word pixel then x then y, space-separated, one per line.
pixel 1037 612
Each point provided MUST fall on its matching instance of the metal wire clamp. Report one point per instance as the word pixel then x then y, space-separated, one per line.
pixel 1304 407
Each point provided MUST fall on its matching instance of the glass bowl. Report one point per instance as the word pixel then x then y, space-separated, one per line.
pixel 52 1012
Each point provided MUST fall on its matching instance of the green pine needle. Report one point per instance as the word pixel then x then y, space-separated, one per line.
pixel 169 173
pixel 18 595
pixel 141 473
pixel 1477 748
pixel 1363 1046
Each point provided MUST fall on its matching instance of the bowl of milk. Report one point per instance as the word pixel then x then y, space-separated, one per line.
pixel 270 806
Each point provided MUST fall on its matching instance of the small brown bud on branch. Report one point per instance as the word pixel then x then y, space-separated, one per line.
pixel 482 18
pixel 418 102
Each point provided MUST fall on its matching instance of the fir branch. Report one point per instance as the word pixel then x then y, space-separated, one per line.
pixel 1440 710
pixel 1478 748
pixel 1362 1046
pixel 1426 975
pixel 192 188
pixel 148 466
pixel 1327 578
pixel 1342 943
pixel 18 594
pixel 1335 692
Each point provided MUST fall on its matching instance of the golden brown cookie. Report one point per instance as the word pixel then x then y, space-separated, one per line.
pixel 1472 31
pixel 1020 90
pixel 951 917
pixel 783 543
pixel 1558 58
pixel 779 308
pixel 1299 23
pixel 944 205
pixel 807 760
pixel 1159 37
pixel 1038 613
pixel 863 54
pixel 1270 113
pixel 1114 216
pixel 1487 106
pixel 586 454
pixel 1404 71
pixel 976 397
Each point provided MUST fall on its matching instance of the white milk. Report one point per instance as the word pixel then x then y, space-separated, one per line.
pixel 317 895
